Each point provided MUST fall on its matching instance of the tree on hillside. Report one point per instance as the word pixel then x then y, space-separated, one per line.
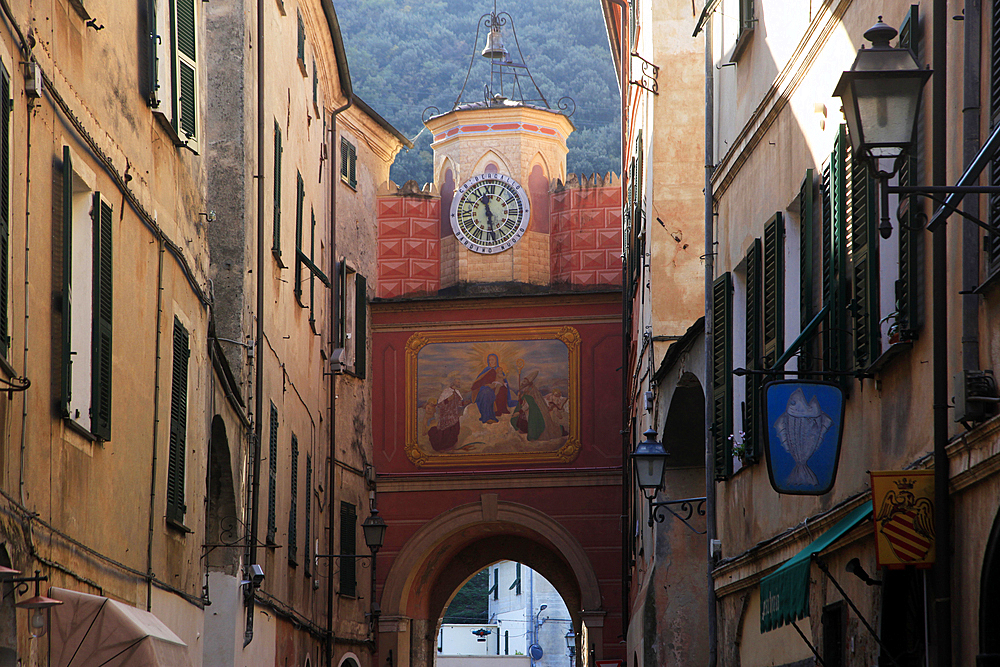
pixel 471 603
pixel 406 57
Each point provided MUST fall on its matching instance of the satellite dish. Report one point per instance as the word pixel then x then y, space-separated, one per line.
pixel 535 651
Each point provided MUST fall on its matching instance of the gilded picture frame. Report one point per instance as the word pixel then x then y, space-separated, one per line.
pixel 493 397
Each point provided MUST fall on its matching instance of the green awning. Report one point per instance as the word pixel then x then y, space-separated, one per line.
pixel 784 594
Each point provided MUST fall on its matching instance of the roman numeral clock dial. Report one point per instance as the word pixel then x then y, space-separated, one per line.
pixel 490 213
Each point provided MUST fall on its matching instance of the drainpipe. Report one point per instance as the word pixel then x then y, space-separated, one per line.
pixel 334 273
pixel 156 428
pixel 258 357
pixel 626 440
pixel 710 527
pixel 939 271
pixel 970 148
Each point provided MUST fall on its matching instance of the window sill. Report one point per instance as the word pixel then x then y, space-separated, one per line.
pixel 277 257
pixel 302 67
pixel 353 186
pixel 178 526
pixel 7 368
pixel 741 43
pixel 890 353
pixel 992 280
pixel 82 430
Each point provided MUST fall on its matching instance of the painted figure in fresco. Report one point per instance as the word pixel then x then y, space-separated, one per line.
pixel 800 429
pixel 491 391
pixel 444 434
pixel 532 416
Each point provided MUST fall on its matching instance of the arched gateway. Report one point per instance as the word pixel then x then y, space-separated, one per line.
pixel 445 552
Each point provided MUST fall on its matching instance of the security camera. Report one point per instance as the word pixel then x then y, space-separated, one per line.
pixel 256 576
pixel 338 362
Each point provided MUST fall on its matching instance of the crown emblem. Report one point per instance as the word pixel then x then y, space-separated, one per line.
pixel 904 484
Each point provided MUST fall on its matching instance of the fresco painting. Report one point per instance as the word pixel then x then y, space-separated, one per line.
pixel 493 396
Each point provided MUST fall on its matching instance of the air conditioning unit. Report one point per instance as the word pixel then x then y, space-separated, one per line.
pixel 975 396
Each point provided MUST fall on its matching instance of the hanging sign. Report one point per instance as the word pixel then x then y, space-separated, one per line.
pixel 803 426
pixel 904 517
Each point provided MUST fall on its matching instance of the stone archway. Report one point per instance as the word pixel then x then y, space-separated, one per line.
pixel 440 557
pixel 989 601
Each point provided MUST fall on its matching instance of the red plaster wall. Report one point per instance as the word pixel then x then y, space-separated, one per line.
pixel 409 245
pixel 587 236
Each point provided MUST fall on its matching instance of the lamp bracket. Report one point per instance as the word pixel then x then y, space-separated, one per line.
pixel 687 507
pixel 930 190
pixel 739 372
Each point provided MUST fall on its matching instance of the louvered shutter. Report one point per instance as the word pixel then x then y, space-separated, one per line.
pixel 834 257
pixel 352 177
pixel 752 432
pixel 276 225
pixel 993 239
pixel 300 195
pixel 67 281
pixel 315 85
pixel 773 290
pixel 909 217
pixel 178 425
pixel 272 475
pixel 308 540
pixel 806 270
pixel 345 158
pixel 6 109
pixel 293 509
pixel 100 406
pixel 348 547
pixel 360 325
pixel 722 374
pixel 301 54
pixel 186 72
pixel 864 265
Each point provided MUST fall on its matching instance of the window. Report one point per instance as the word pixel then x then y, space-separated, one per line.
pixel 807 269
pixel 348 163
pixel 301 57
pixel 293 510
pixel 834 259
pixel 272 475
pixel 315 87
pixel 722 374
pixel 516 586
pixel 908 283
pixel 636 223
pixel 178 425
pixel 834 620
pixel 6 111
pixel 864 242
pixel 745 28
pixel 276 218
pixel 309 475
pixel 354 319
pixel 87 302
pixel 495 588
pixel 306 263
pixel 174 93
pixel 348 547
pixel 773 290
pixel 751 412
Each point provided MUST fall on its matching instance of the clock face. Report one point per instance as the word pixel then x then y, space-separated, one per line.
pixel 490 213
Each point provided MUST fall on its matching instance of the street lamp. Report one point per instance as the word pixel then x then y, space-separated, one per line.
pixel 649 460
pixel 374 528
pixel 571 645
pixel 881 95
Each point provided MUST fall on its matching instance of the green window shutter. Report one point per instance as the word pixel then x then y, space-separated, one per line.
pixel 352 176
pixel 67 280
pixel 834 258
pixel 864 265
pixel 272 474
pixel 315 85
pixel 360 325
pixel 345 156
pixel 909 216
pixel 300 195
pixel 302 39
pixel 100 406
pixel 308 540
pixel 348 547
pixel 341 304
pixel 807 244
pixel 312 273
pixel 495 589
pixel 186 68
pixel 178 425
pixel 6 109
pixel 293 510
pixel 516 585
pixel 722 374
pixel 993 239
pixel 773 290
pixel 276 226
pixel 754 383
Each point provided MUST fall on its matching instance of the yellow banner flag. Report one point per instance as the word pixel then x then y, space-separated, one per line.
pixel 903 501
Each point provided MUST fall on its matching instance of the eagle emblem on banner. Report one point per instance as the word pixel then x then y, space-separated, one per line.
pixel 906 521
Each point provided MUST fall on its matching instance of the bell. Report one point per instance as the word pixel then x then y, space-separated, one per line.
pixel 494 46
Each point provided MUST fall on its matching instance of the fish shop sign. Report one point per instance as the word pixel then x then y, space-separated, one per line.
pixel 803 427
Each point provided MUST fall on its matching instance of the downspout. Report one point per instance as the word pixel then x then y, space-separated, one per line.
pixel 939 272
pixel 334 277
pixel 259 334
pixel 971 112
pixel 156 429
pixel 710 527
pixel 626 440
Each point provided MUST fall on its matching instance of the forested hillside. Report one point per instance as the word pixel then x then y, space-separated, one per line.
pixel 405 56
